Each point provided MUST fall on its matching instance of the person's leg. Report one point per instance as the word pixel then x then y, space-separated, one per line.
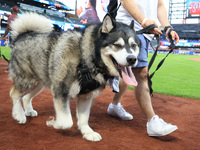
pixel 142 61
pixel 155 125
pixel 115 108
pixel 142 92
pixel 118 96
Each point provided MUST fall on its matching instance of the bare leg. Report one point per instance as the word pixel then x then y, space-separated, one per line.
pixel 63 115
pixel 27 101
pixel 115 108
pixel 142 92
pixel 83 111
pixel 118 96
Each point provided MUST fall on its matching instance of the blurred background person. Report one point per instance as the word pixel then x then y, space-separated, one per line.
pixel 88 15
pixel 13 16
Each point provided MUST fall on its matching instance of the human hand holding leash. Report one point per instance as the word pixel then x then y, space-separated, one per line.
pixel 173 34
pixel 146 22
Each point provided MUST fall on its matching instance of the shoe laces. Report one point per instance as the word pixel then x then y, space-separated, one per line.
pixel 163 122
pixel 121 109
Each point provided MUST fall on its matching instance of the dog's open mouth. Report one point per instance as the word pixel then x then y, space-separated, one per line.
pixel 125 73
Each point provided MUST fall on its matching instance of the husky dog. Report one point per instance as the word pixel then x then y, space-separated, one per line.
pixel 71 64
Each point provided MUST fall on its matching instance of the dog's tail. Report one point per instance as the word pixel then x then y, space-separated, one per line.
pixel 30 22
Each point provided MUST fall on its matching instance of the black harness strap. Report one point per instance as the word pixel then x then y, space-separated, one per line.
pixel 161 62
pixel 155 52
pixel 146 29
pixel 87 83
pixel 113 7
pixel 5 58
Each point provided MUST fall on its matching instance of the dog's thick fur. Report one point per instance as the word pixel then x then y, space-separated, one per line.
pixel 42 58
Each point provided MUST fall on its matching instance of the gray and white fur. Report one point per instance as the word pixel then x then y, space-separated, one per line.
pixel 42 58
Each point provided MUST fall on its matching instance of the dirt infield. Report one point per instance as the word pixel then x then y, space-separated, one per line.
pixel 117 134
pixel 195 59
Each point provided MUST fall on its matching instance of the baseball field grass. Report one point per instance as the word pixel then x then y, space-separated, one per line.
pixel 178 76
pixel 4 50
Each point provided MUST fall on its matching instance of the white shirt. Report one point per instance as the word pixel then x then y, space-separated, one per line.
pixel 148 9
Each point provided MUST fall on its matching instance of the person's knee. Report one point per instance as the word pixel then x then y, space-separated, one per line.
pixel 122 85
pixel 141 74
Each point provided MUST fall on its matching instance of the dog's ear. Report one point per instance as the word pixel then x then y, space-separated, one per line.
pixel 108 24
pixel 132 24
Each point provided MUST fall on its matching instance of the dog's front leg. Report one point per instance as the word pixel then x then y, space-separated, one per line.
pixel 63 115
pixel 83 111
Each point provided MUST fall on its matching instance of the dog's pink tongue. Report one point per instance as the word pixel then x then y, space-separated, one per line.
pixel 128 76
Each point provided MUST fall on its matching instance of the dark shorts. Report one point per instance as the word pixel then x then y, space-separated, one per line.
pixel 142 58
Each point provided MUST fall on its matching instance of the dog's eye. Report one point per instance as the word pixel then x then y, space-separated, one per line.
pixel 133 45
pixel 118 46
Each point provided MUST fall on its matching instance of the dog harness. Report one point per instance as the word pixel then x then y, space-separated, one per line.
pixel 86 81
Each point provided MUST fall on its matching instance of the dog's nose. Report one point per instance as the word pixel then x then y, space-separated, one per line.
pixel 131 59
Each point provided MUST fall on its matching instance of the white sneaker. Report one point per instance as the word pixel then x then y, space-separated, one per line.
pixel 119 111
pixel 158 127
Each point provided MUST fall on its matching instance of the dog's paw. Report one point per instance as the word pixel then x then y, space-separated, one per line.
pixel 32 113
pixel 92 136
pixel 59 125
pixel 20 117
pixel 89 134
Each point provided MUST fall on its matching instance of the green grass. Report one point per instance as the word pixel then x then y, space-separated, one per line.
pixel 5 51
pixel 178 76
